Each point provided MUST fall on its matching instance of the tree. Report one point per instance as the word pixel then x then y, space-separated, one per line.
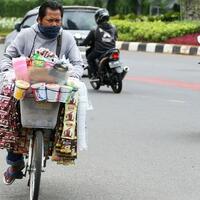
pixel 190 9
pixel 111 6
pixel 98 3
pixel 40 2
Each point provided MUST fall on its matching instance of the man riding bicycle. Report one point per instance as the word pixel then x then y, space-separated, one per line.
pixel 47 34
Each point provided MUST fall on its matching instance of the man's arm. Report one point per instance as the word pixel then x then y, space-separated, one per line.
pixel 115 32
pixel 12 51
pixel 75 59
pixel 89 40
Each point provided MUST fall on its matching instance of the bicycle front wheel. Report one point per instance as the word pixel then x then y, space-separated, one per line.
pixel 36 165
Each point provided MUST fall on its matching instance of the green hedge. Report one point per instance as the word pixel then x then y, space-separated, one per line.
pixel 167 17
pixel 7 24
pixel 153 31
pixel 156 31
pixel 17 8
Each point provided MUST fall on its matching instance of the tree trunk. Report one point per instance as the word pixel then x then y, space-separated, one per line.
pixel 190 9
pixel 139 7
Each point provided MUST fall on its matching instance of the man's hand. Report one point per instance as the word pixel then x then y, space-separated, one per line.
pixel 74 82
pixel 46 53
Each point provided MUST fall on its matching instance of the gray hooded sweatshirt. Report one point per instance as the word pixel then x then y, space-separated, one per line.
pixel 30 39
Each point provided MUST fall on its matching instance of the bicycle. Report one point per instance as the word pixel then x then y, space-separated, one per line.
pixel 41 117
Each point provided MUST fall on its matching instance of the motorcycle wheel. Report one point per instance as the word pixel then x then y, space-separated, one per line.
pixel 95 84
pixel 116 83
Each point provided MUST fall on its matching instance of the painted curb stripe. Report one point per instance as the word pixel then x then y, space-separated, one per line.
pixel 185 49
pixel 119 45
pixel 159 48
pixel 193 51
pixel 133 46
pixel 152 47
pixel 125 46
pixel 167 48
pixel 176 50
pixel 142 47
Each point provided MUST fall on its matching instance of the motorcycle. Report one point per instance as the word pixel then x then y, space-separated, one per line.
pixel 110 71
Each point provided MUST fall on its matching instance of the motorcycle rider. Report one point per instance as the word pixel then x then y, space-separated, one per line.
pixel 46 33
pixel 101 39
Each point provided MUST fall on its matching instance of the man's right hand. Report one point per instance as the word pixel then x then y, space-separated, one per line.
pixel 46 53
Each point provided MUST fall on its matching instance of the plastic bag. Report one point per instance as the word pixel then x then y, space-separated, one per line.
pixel 83 107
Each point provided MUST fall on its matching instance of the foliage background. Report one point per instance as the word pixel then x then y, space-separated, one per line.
pixel 17 8
pixel 130 25
pixel 156 31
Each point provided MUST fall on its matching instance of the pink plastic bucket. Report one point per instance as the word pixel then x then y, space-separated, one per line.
pixel 20 67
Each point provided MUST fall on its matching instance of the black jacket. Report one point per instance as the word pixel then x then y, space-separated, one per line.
pixel 102 38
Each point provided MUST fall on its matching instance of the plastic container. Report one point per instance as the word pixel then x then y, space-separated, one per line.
pixel 53 92
pixel 65 92
pixel 38 114
pixel 39 91
pixel 20 67
pixel 20 89
pixel 81 117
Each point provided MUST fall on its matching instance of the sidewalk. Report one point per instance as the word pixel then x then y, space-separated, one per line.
pixel 153 47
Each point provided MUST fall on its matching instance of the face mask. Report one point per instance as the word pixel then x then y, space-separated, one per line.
pixel 50 32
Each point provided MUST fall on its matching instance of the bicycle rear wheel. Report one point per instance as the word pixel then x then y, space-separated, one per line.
pixel 36 165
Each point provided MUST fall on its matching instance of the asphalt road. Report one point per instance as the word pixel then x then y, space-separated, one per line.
pixel 144 144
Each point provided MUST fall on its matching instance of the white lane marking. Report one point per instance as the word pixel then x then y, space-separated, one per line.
pixel 176 101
